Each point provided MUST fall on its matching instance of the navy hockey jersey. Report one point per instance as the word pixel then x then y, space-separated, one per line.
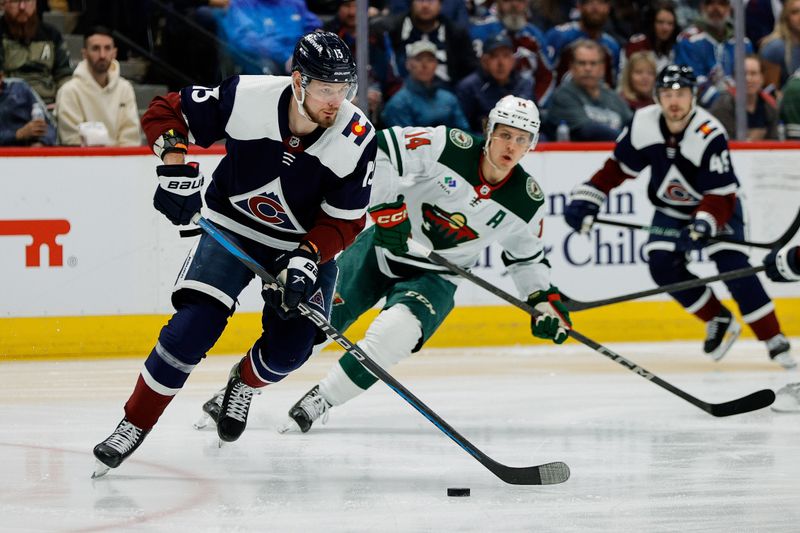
pixel 688 172
pixel 273 187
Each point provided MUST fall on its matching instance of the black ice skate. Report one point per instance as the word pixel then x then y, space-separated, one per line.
pixel 305 412
pixel 211 410
pixel 721 332
pixel 779 347
pixel 117 447
pixel 232 418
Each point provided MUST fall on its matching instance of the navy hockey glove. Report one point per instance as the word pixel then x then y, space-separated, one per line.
pixel 695 235
pixel 553 323
pixel 297 270
pixel 784 264
pixel 178 193
pixel 584 204
pixel 392 227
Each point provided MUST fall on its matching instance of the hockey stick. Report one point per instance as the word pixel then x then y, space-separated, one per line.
pixel 751 402
pixel 671 232
pixel 577 305
pixel 545 474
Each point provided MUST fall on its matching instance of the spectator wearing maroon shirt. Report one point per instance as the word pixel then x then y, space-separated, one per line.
pixel 638 80
pixel 661 30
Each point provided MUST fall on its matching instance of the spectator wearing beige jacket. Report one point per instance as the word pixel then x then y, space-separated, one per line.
pixel 97 107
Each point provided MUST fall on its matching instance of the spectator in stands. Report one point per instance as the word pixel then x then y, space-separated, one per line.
pixel 707 47
pixel 266 31
pixel 592 111
pixel 453 10
pixel 761 17
pixel 423 101
pixel 34 50
pixel 593 17
pixel 512 17
pixel 384 79
pixel 762 110
pixel 97 107
pixel 780 50
pixel 425 22
pixel 790 107
pixel 638 81
pixel 328 8
pixel 660 33
pixel 548 14
pixel 480 91
pixel 17 125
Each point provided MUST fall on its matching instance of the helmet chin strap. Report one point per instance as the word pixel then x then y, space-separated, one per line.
pixel 301 102
pixel 486 153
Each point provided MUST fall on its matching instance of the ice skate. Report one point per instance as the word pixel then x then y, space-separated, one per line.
pixel 778 347
pixel 721 332
pixel 787 399
pixel 305 412
pixel 211 410
pixel 117 447
pixel 232 417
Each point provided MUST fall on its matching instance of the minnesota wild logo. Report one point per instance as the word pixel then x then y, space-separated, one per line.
pixel 445 230
pixel 460 139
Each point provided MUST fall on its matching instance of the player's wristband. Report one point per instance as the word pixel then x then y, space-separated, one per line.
pixel 170 141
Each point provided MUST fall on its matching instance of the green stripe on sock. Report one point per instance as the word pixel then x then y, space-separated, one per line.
pixel 356 371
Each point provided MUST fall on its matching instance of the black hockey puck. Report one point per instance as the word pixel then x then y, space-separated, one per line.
pixel 457 492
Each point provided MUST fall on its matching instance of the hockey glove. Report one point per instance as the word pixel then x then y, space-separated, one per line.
pixel 297 270
pixel 178 193
pixel 392 227
pixel 553 323
pixel 784 264
pixel 695 235
pixel 584 204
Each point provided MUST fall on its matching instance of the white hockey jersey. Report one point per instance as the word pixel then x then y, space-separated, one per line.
pixel 453 210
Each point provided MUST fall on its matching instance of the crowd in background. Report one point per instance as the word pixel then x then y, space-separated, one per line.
pixel 588 64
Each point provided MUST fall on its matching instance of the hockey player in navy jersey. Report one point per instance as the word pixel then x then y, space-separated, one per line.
pixel 291 191
pixel 694 189
pixel 455 193
pixel 784 266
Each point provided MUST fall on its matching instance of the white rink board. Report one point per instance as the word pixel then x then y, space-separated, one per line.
pixel 120 256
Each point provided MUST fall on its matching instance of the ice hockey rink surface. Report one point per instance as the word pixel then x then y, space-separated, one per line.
pixel 641 458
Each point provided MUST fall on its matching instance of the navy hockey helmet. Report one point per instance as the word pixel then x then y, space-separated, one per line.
pixel 323 56
pixel 676 77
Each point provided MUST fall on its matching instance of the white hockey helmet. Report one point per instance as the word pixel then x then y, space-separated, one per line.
pixel 515 112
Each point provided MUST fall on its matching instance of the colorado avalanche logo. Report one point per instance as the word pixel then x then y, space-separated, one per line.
pixel 268 206
pixel 675 190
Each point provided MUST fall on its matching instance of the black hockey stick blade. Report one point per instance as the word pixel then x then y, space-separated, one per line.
pixel 545 474
pixel 657 230
pixel 751 402
pixel 576 305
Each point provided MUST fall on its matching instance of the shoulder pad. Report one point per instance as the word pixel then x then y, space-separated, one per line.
pixel 645 130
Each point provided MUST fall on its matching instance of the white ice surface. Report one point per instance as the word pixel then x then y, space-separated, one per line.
pixel 642 459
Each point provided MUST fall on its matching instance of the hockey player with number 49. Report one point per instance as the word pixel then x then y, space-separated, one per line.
pixel 455 194
pixel 292 192
pixel 693 188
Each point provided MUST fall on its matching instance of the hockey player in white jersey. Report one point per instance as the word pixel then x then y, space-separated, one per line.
pixel 454 194
pixel 693 188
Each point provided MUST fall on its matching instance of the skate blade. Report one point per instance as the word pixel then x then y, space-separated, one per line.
pixel 289 426
pixel 785 360
pixel 730 337
pixel 100 470
pixel 203 422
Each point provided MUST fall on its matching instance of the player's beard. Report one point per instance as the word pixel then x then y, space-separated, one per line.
pixel 319 117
